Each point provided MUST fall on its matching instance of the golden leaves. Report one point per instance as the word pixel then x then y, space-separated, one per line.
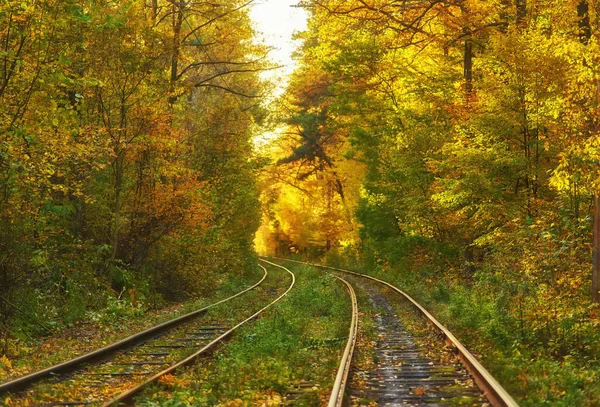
pixel 5 363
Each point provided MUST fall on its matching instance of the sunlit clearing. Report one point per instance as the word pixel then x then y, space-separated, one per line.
pixel 277 20
pixel 263 139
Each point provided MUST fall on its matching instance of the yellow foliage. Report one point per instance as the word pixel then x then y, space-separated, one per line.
pixel 5 363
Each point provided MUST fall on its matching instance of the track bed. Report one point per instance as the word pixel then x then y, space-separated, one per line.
pixel 404 370
pixel 115 373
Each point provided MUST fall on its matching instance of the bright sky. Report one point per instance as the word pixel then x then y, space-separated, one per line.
pixel 278 20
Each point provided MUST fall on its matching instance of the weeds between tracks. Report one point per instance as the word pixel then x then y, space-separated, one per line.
pixel 299 342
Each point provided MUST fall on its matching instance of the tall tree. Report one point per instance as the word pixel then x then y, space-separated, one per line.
pixel 585 35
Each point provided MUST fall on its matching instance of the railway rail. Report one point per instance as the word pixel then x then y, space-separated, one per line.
pixel 402 367
pixel 128 366
pixel 113 375
pixel 341 379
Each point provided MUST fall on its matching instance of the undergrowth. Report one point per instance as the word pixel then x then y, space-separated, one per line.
pixel 119 317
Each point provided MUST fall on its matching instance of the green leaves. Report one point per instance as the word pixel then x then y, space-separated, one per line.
pixel 79 15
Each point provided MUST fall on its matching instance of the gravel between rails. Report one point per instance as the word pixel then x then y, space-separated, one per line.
pixel 405 372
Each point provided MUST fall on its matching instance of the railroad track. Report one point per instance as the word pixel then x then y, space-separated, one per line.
pixel 113 375
pixel 341 379
pixel 404 371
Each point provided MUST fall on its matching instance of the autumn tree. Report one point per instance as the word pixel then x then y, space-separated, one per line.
pixel 126 144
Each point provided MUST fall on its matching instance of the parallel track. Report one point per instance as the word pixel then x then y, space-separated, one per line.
pixel 154 343
pixel 492 390
pixel 400 363
pixel 128 395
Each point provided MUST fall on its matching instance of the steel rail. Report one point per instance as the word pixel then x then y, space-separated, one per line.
pixel 127 395
pixel 341 379
pixel 102 353
pixel 492 390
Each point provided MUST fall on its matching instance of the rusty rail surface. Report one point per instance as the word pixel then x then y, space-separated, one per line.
pixel 492 390
pixel 127 396
pixel 103 353
pixel 341 379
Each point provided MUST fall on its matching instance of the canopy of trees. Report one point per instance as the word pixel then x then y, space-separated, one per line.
pixel 458 140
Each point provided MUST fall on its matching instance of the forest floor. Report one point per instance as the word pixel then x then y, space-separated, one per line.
pixel 104 327
pixel 292 352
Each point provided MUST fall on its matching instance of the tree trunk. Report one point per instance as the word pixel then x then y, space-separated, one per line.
pixel 119 168
pixel 585 30
pixel 177 24
pixel 596 253
pixel 116 209
pixel 154 11
pixel 585 34
pixel 521 6
pixel 468 66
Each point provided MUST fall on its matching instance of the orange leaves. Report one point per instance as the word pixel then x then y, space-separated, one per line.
pixel 174 381
pixel 167 380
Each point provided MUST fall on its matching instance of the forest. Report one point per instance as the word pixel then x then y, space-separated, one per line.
pixel 453 146
pixel 125 159
pixel 450 146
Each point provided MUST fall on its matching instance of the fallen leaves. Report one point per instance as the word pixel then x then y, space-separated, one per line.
pixel 173 381
pixel 167 380
pixel 5 363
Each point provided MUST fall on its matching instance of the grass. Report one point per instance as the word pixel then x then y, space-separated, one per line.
pixel 227 314
pixel 298 342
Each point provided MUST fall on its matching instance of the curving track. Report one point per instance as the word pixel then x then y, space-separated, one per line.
pixel 405 372
pixel 341 379
pixel 114 374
